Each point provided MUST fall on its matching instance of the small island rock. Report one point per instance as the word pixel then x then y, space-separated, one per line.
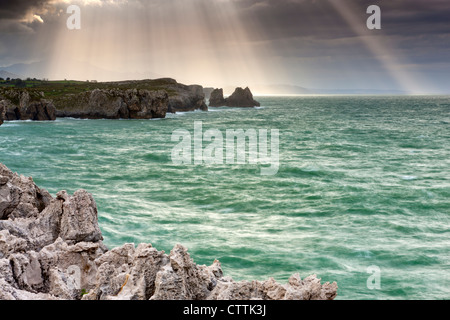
pixel 241 98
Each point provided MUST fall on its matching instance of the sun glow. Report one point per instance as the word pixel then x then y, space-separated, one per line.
pixel 194 41
pixel 387 56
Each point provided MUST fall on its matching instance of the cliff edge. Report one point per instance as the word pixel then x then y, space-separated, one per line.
pixel 114 104
pixel 25 105
pixel 52 249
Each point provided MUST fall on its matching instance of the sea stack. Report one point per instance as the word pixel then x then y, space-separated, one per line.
pixel 241 98
pixel 216 98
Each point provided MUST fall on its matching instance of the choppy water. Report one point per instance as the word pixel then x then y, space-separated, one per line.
pixel 363 181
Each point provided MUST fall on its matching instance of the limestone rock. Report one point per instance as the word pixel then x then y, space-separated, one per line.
pixel 216 98
pixel 186 98
pixel 242 98
pixel 114 104
pixel 25 105
pixel 19 196
pixel 182 279
pixel 79 219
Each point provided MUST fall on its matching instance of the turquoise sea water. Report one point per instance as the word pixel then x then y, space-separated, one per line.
pixel 363 181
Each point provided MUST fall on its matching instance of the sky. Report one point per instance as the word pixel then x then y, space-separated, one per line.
pixel 320 44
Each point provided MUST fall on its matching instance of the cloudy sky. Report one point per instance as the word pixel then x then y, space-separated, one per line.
pixel 322 44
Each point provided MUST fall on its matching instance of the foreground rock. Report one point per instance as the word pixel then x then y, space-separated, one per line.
pixel 25 105
pixel 51 248
pixel 114 104
pixel 241 98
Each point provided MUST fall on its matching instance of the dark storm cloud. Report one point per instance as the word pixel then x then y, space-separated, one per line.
pixel 18 9
pixel 320 19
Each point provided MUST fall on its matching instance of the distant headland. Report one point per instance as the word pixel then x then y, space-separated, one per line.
pixel 42 100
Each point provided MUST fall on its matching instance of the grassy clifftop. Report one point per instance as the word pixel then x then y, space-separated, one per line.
pixel 56 90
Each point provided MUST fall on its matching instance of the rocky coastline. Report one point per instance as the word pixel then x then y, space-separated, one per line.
pixel 145 99
pixel 52 249
pixel 114 104
pixel 25 105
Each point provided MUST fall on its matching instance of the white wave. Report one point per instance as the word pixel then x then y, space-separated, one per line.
pixel 409 178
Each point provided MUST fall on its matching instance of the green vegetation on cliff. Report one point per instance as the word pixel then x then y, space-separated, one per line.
pixel 58 90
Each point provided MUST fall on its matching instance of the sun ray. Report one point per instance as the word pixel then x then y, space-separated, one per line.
pixel 386 55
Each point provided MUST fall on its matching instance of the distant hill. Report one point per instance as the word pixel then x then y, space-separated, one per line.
pixel 275 89
pixel 74 70
pixel 6 74
pixel 280 89
pixel 359 91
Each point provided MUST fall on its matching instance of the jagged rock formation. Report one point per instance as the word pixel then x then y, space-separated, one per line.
pixel 51 248
pixel 25 105
pixel 241 98
pixel 114 104
pixel 216 98
pixel 186 98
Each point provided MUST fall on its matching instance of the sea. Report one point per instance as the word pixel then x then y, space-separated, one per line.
pixel 361 195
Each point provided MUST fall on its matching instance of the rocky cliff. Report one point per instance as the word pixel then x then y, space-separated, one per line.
pixel 186 98
pixel 25 105
pixel 51 248
pixel 114 104
pixel 216 98
pixel 241 98
pixel 140 99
